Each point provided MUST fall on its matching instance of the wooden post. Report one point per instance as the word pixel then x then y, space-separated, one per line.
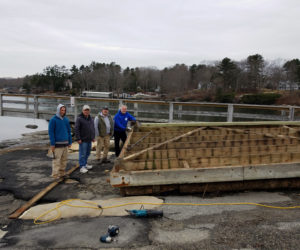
pixel 171 109
pixel 1 105
pixel 36 107
pixel 229 112
pixel 136 106
pixel 292 113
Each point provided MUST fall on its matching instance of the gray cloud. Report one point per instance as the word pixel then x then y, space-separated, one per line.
pixel 35 34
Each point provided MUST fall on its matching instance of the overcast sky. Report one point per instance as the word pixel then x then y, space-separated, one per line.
pixel 39 33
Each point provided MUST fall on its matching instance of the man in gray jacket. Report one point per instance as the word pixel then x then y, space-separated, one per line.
pixel 104 129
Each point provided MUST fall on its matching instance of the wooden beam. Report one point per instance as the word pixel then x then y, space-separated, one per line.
pixel 132 156
pixel 33 200
pixel 204 175
pixel 129 147
pixel 126 144
pixel 187 153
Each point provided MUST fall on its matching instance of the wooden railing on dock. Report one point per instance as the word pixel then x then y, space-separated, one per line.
pixel 44 106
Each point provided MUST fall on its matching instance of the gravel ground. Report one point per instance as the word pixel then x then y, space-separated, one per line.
pixel 24 172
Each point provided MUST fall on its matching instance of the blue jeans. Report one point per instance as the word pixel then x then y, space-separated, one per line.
pixel 84 153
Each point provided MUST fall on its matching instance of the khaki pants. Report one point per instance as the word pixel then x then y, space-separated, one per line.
pixel 102 144
pixel 59 162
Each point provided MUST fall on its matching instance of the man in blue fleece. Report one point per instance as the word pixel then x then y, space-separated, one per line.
pixel 120 126
pixel 60 139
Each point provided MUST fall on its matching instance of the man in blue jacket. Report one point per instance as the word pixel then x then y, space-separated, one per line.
pixel 120 126
pixel 60 139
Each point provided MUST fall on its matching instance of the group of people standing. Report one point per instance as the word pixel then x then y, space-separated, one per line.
pixel 87 130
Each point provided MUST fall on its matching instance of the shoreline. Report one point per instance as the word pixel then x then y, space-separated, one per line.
pixel 26 139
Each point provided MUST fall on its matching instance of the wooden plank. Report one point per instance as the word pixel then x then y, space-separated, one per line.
pixel 205 175
pixel 33 200
pixel 136 142
pixel 217 144
pixel 132 156
pixel 207 137
pixel 126 144
pixel 216 161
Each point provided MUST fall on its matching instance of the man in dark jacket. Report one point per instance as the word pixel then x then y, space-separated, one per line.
pixel 120 126
pixel 60 138
pixel 85 134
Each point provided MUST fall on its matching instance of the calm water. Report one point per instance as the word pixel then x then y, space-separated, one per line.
pixel 14 127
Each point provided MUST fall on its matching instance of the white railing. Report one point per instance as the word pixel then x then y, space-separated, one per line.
pixel 44 106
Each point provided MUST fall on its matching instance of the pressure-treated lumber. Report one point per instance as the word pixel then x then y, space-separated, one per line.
pixel 130 157
pixel 126 144
pixel 174 156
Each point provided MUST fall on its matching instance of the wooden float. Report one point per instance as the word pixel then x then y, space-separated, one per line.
pixel 204 157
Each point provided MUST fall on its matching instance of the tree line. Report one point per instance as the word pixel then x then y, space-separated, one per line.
pixel 226 76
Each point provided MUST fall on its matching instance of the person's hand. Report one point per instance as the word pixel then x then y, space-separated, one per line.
pixel 70 146
pixel 80 141
pixel 52 148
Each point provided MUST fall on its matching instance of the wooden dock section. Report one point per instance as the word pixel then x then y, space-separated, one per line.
pixel 203 157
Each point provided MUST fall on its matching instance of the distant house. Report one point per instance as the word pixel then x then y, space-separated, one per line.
pixel 148 95
pixel 287 85
pixel 202 85
pixel 97 94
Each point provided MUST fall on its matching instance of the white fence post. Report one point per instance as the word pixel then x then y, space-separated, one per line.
pixel 73 103
pixel 120 104
pixel 36 106
pixel 179 111
pixel 229 112
pixel 292 113
pixel 1 105
pixel 136 108
pixel 27 103
pixel 171 109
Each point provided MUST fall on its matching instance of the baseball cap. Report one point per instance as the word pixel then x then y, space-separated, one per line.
pixel 85 107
